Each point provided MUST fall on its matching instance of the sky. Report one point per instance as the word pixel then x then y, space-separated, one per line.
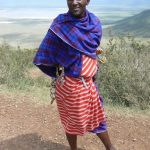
pixel 62 3
pixel 51 8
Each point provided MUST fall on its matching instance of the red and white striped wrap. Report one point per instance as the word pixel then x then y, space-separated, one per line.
pixel 79 105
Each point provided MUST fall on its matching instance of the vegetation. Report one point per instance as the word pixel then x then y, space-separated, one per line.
pixel 123 80
pixel 14 68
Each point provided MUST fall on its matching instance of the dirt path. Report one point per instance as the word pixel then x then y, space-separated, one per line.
pixel 26 126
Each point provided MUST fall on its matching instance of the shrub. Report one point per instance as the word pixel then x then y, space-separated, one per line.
pixel 125 78
pixel 14 66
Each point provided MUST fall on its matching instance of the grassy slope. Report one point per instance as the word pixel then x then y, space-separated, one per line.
pixel 138 25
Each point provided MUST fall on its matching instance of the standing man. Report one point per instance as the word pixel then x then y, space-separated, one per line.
pixel 71 43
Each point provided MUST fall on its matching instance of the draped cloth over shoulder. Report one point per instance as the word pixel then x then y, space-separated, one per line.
pixel 65 42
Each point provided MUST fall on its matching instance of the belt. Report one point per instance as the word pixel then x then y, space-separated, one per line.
pixel 60 76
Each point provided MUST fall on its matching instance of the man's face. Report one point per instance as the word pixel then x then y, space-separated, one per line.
pixel 77 7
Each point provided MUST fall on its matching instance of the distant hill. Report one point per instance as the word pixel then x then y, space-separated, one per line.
pixel 136 3
pixel 137 25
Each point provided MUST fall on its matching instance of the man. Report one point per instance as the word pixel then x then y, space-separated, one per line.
pixel 71 43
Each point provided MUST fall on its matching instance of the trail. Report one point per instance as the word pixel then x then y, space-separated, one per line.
pixel 27 126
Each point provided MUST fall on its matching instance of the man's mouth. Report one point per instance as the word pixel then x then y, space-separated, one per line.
pixel 76 9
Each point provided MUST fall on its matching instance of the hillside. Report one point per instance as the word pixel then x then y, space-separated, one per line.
pixel 137 25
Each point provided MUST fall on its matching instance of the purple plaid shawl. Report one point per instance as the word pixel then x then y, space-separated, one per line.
pixel 65 42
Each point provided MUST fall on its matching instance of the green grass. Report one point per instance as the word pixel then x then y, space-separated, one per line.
pixel 125 111
pixel 36 95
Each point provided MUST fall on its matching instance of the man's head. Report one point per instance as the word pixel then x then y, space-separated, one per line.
pixel 77 7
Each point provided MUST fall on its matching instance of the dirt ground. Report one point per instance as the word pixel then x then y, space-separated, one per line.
pixel 27 126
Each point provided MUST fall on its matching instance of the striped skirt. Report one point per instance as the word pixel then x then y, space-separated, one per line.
pixel 78 101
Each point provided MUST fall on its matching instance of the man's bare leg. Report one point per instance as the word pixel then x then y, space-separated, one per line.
pixel 72 140
pixel 106 140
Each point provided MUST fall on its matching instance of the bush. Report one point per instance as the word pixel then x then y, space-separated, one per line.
pixel 125 78
pixel 14 66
